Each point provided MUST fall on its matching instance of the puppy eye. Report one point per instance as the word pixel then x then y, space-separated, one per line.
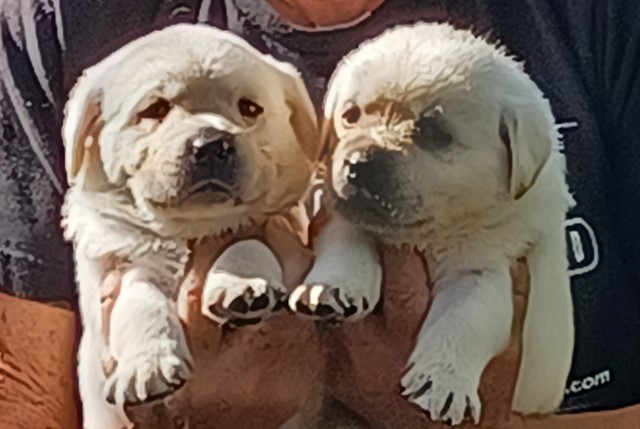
pixel 249 108
pixel 430 133
pixel 158 110
pixel 352 115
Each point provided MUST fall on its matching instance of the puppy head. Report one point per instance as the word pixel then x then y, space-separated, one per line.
pixel 426 123
pixel 190 120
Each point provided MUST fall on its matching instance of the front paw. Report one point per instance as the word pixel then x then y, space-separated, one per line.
pixel 441 388
pixel 240 301
pixel 319 301
pixel 157 370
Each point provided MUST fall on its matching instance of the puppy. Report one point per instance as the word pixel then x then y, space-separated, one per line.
pixel 440 140
pixel 184 133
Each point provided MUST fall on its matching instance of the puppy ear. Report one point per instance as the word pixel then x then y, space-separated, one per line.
pixel 529 137
pixel 328 138
pixel 81 128
pixel 328 135
pixel 303 115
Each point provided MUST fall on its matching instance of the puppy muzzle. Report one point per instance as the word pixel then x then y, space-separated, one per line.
pixel 213 160
pixel 363 165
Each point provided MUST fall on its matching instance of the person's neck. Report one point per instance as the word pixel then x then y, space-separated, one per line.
pixel 317 52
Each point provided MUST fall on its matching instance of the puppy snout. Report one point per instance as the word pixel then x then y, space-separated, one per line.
pixel 360 173
pixel 365 167
pixel 372 175
pixel 214 157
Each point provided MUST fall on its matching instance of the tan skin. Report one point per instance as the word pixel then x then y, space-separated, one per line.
pixel 259 378
pixel 265 376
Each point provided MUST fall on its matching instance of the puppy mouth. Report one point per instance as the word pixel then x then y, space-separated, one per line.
pixel 211 186
pixel 212 191
pixel 349 186
pixel 374 201
pixel 366 203
pixel 370 207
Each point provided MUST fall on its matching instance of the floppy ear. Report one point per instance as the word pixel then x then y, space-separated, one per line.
pixel 303 115
pixel 80 132
pixel 328 138
pixel 529 136
pixel 328 135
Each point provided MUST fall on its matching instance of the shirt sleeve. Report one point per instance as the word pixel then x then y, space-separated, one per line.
pixel 44 46
pixel 605 37
pixel 34 260
pixel 584 56
pixel 619 50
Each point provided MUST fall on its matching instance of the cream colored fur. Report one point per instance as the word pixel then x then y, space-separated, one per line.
pixel 129 198
pixel 471 175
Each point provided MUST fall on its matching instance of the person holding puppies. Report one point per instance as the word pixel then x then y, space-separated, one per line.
pixel 585 71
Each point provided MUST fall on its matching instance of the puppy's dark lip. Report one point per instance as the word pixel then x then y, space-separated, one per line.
pixel 177 202
pixel 372 199
pixel 213 186
pixel 387 213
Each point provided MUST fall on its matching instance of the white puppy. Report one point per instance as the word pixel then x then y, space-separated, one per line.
pixel 183 133
pixel 442 141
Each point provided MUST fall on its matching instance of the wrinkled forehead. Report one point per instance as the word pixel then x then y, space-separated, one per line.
pixel 420 81
pixel 418 65
pixel 415 89
pixel 174 69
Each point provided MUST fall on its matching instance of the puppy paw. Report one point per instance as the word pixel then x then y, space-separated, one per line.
pixel 152 374
pixel 443 392
pixel 240 301
pixel 323 302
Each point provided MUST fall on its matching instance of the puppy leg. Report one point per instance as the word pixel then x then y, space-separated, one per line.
pixel 345 281
pixel 244 286
pixel 468 324
pixel 97 413
pixel 147 341
pixel 548 333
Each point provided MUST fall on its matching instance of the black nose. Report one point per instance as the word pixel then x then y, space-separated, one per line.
pixel 360 173
pixel 368 169
pixel 214 157
pixel 374 172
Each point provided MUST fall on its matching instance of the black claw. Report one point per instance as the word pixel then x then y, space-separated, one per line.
pixel 150 398
pixel 468 411
pixel 335 293
pixel 424 389
pixel 365 304
pixel 279 305
pixel 218 312
pixel 302 308
pixel 447 404
pixel 239 305
pixel 260 303
pixel 350 311
pixel 157 396
pixel 324 310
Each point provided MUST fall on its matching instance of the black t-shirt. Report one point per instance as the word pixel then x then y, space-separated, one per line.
pixel 585 55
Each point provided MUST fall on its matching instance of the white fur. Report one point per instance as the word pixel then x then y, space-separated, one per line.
pixel 231 277
pixel 471 208
pixel 119 168
pixel 341 249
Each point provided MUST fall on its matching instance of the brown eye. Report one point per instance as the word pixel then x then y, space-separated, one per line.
pixel 352 115
pixel 249 108
pixel 158 110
